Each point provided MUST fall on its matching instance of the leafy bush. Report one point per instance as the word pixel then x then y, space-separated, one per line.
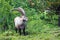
pixel 39 24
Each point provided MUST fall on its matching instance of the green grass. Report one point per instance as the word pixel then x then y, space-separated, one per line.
pixel 40 26
pixel 47 35
pixel 37 30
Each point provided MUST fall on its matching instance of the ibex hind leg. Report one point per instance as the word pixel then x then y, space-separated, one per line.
pixel 20 31
pixel 16 29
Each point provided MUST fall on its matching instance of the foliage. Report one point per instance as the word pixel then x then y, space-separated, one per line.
pixel 41 25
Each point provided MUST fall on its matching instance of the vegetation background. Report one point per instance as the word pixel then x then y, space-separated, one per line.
pixel 42 23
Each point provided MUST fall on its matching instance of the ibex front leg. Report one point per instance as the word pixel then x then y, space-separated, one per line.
pixel 24 31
